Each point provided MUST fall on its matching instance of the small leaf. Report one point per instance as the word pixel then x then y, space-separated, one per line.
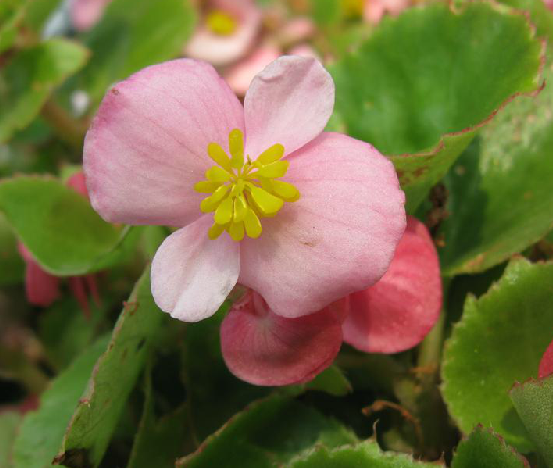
pixel 533 402
pixel 366 454
pixel 28 79
pixel 332 381
pixel 58 226
pixel 485 449
pixel 41 431
pixel 114 376
pixel 266 434
pixel 13 268
pixel 11 14
pixel 416 88
pixel 499 340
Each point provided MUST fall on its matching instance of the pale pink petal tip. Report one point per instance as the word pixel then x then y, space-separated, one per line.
pixel 338 238
pixel 191 274
pixel 41 287
pixel 86 13
pixel 546 363
pixel 241 75
pixel 223 50
pixel 289 102
pixel 398 312
pixel 266 349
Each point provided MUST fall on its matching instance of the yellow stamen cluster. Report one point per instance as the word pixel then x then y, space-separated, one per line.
pixel 221 23
pixel 241 191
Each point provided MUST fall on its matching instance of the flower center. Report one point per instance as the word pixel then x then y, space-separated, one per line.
pixel 221 23
pixel 241 191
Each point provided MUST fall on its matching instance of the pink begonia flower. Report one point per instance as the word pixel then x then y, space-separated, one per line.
pixel 330 229
pixel 264 348
pixel 226 33
pixel 42 288
pixel 86 13
pixel 546 363
pixel 549 4
pixel 374 10
pixel 398 312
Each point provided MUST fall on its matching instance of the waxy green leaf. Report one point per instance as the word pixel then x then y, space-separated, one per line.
pixel 533 401
pixel 266 434
pixel 114 377
pixel 11 14
pixel 13 268
pixel 499 340
pixel 366 454
pixel 58 225
pixel 41 431
pixel 27 80
pixel 422 84
pixel 485 449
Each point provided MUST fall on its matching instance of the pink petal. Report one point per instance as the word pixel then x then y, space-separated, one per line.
pixel 41 287
pixel 546 363
pixel 373 11
pixel 86 13
pixel 398 312
pixel 222 50
pixel 78 183
pixel 147 145
pixel 263 348
pixel 339 237
pixel 305 50
pixel 241 75
pixel 77 286
pixel 289 103
pixel 191 274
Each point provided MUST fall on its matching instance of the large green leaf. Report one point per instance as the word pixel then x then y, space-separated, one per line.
pixel 9 422
pixel 499 340
pixel 29 78
pixel 58 226
pixel 131 35
pixel 114 377
pixel 267 434
pixel 422 84
pixel 366 454
pixel 12 269
pixel 41 431
pixel 484 449
pixel 533 401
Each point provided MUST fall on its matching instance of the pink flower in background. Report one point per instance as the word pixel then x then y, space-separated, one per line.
pixel 226 32
pixel 42 288
pixel 86 13
pixel 329 229
pixel 549 4
pixel 264 348
pixel 546 363
pixel 374 10
pixel 398 312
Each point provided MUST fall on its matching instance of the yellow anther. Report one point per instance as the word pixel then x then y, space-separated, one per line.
pixel 221 23
pixel 236 231
pixel 273 170
pixel 243 191
pixel 236 147
pixel 215 231
pixel 274 153
pixel 223 213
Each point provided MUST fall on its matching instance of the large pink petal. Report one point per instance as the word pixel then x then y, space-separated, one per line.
pixel 546 363
pixel 191 274
pixel 289 103
pixel 41 287
pixel 339 237
pixel 397 312
pixel 86 13
pixel 223 50
pixel 263 348
pixel 147 145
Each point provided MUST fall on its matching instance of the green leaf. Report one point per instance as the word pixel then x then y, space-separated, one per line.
pixel 268 433
pixel 366 454
pixel 131 35
pixel 41 431
pixel 499 340
pixel 9 422
pixel 485 449
pixel 416 89
pixel 332 381
pixel 533 402
pixel 38 12
pixel 29 78
pixel 114 377
pixel 11 14
pixel 58 226
pixel 13 267
pixel 500 193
